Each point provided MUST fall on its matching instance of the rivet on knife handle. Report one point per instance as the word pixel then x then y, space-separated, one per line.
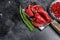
pixel 56 26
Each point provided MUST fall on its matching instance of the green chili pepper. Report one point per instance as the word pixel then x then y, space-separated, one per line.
pixel 26 20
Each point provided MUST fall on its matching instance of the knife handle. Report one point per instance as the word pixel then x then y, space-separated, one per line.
pixel 56 26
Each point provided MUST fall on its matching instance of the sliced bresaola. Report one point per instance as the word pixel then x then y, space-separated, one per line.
pixel 28 11
pixel 39 18
pixel 37 24
pixel 45 15
pixel 36 7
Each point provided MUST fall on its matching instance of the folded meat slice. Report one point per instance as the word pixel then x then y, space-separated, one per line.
pixel 45 15
pixel 36 7
pixel 37 24
pixel 39 18
pixel 28 11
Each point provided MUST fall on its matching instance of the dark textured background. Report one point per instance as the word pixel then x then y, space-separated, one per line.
pixel 12 27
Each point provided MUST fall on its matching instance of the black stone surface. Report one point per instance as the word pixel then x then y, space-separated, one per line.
pixel 13 28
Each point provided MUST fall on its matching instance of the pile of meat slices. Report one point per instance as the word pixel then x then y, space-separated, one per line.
pixel 39 17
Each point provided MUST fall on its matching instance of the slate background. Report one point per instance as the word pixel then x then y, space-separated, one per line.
pixel 13 28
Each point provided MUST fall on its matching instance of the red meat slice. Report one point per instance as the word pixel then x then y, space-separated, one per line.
pixel 39 18
pixel 28 11
pixel 36 7
pixel 45 15
pixel 37 24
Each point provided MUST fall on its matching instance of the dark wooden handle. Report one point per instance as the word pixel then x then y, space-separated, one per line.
pixel 56 26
